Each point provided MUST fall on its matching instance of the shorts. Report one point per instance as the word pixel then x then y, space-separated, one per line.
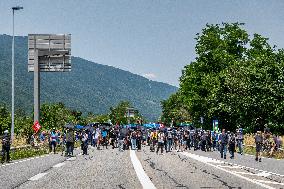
pixel 258 148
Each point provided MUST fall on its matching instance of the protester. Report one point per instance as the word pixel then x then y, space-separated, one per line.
pixel 70 142
pixel 139 140
pixel 240 140
pixel 169 140
pixel 223 141
pixel 232 144
pixel 53 140
pixel 259 143
pixel 208 141
pixel 215 141
pixel 133 140
pixel 104 138
pixel 161 137
pixel 84 144
pixel 6 144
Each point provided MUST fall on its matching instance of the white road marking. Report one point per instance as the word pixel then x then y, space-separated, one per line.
pixel 28 159
pixel 263 174
pixel 243 173
pixel 71 159
pixel 231 167
pixel 59 165
pixel 270 182
pixel 38 176
pixel 206 161
pixel 142 176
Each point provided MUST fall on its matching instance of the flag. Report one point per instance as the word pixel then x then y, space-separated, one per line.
pixel 36 127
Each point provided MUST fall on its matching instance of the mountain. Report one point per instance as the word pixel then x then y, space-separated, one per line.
pixel 89 87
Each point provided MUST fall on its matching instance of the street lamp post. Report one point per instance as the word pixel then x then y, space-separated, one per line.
pixel 13 73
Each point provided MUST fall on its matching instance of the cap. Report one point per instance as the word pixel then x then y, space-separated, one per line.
pixel 6 131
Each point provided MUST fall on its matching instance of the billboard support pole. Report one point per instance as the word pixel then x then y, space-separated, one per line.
pixel 36 87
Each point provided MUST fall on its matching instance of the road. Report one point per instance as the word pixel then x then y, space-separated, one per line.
pixel 144 169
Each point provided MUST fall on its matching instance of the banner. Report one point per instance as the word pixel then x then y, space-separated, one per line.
pixel 215 125
pixel 36 127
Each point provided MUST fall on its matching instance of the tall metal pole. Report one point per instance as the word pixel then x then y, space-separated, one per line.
pixel 36 86
pixel 13 111
pixel 13 73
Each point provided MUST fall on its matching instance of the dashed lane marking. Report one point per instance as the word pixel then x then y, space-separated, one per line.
pixel 142 176
pixel 209 162
pixel 38 176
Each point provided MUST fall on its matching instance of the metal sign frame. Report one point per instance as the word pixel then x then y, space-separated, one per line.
pixel 54 52
pixel 47 53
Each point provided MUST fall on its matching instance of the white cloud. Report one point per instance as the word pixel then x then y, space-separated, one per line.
pixel 149 75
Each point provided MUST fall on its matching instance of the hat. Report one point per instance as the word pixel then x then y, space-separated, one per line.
pixel 6 131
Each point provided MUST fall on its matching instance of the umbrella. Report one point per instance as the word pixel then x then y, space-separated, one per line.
pixel 79 127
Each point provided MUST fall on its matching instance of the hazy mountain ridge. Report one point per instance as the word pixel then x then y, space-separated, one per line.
pixel 89 87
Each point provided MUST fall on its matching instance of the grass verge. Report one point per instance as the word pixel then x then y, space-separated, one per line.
pixel 251 150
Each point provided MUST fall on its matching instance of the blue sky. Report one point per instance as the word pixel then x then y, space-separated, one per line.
pixel 154 38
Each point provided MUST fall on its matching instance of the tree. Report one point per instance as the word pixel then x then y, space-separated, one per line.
pixel 174 111
pixel 118 114
pixel 5 119
pixel 234 78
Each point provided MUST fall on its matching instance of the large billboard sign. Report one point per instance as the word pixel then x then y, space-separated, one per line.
pixel 53 52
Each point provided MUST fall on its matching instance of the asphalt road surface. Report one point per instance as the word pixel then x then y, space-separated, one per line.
pixel 144 169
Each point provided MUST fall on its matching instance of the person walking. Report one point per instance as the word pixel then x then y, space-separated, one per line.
pixel 53 140
pixel 240 140
pixel 85 143
pixel 258 145
pixel 215 140
pixel 232 144
pixel 6 144
pixel 133 140
pixel 70 142
pixel 139 140
pixel 161 137
pixel 169 140
pixel 223 141
pixel 121 137
pixel 208 141
pixel 104 136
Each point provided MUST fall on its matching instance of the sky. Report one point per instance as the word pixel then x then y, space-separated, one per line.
pixel 152 38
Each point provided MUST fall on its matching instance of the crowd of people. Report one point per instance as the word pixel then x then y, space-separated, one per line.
pixel 168 139
pixel 158 139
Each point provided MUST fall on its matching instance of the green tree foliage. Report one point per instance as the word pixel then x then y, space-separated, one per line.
pixel 5 119
pixel 118 114
pixel 174 110
pixel 235 79
pixel 57 115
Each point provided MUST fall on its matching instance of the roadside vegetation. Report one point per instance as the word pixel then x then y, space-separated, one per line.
pixel 235 78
